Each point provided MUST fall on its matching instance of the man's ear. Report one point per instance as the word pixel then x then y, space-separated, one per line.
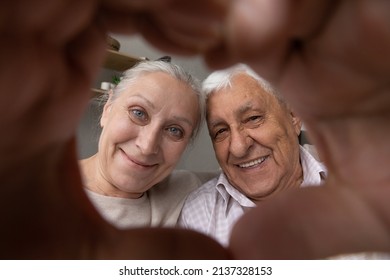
pixel 106 109
pixel 296 121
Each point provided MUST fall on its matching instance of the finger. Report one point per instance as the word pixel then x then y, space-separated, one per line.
pixel 86 54
pixel 73 17
pixel 194 41
pixel 184 27
pixel 155 36
pixel 84 57
pixel 193 16
pixel 197 34
pixel 27 16
pixel 20 57
pixel 264 23
pixel 269 67
pixel 195 25
pixel 135 5
pixel 57 221
pixel 118 21
pixel 54 21
pixel 219 58
pixel 264 43
pixel 310 223
pixel 145 26
pixel 271 28
pixel 159 243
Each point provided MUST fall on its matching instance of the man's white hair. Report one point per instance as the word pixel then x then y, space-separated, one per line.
pixel 222 79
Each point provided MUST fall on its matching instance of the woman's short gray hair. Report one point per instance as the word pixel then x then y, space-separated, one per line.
pixel 131 75
pixel 222 79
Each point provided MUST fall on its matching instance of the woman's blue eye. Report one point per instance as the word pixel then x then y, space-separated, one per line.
pixel 139 114
pixel 176 132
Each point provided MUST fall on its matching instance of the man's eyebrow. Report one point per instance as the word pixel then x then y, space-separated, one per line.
pixel 241 110
pixel 216 123
pixel 245 108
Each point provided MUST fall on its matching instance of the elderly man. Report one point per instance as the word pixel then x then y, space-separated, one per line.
pixel 339 50
pixel 255 138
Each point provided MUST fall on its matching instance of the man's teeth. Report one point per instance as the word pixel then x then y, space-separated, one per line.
pixel 252 163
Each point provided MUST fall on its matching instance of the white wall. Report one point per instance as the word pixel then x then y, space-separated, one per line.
pixel 198 157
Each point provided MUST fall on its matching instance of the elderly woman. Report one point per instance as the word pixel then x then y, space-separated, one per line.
pixel 147 123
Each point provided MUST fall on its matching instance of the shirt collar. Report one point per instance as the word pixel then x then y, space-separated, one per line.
pixel 227 191
pixel 313 174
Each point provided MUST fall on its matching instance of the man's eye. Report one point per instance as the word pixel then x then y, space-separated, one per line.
pixel 254 119
pixel 220 131
pixel 220 134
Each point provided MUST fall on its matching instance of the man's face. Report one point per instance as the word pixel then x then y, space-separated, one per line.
pixel 255 138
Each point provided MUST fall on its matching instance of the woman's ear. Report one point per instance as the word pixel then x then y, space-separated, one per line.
pixel 106 109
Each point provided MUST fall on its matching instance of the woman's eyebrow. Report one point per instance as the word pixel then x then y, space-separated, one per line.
pixel 177 118
pixel 183 119
pixel 150 104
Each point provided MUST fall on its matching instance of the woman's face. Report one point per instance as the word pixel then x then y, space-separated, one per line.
pixel 145 131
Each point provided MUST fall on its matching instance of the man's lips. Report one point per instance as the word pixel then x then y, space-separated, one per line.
pixel 252 163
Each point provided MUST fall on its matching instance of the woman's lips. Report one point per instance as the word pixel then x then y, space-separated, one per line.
pixel 142 164
pixel 137 162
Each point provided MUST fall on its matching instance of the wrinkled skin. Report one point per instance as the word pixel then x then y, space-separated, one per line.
pixel 49 59
pixel 331 61
pixel 329 58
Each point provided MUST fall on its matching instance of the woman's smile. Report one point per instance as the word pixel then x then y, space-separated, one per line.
pixel 133 161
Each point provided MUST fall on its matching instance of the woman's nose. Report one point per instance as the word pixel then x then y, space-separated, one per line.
pixel 148 140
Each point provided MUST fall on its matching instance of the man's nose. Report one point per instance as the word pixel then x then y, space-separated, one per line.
pixel 240 142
